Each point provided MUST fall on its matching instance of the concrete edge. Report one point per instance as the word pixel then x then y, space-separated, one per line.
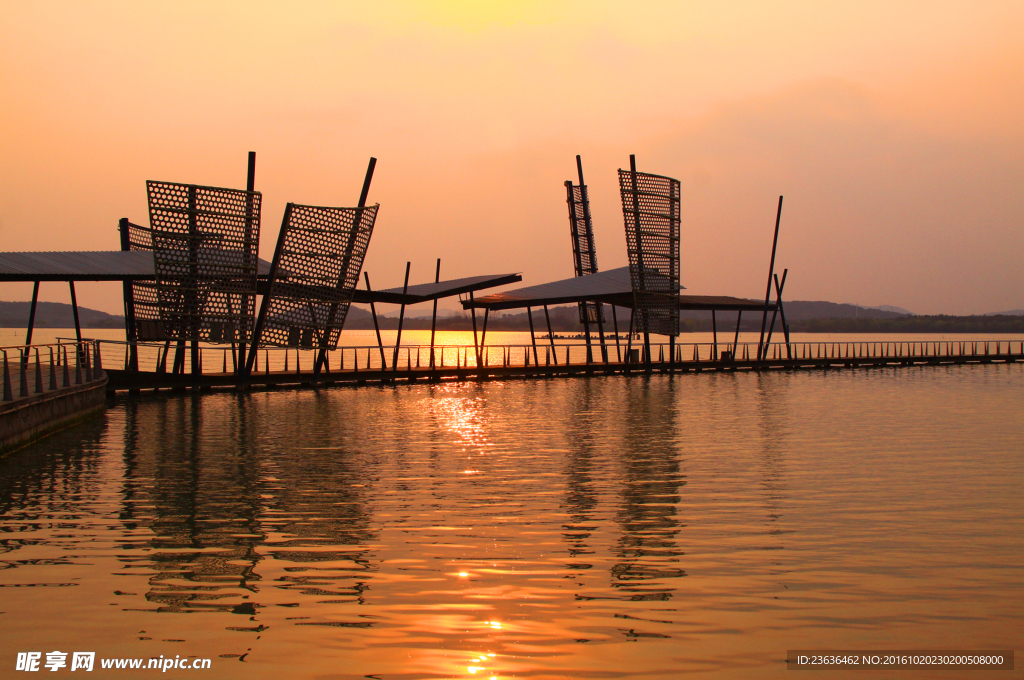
pixel 35 433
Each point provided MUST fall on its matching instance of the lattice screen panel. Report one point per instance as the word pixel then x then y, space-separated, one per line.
pixel 650 209
pixel 205 248
pixel 145 302
pixel 318 270
pixel 584 252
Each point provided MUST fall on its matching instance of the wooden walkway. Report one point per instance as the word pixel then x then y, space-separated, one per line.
pixel 126 380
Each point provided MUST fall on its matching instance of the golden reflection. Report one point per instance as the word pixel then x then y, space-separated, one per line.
pixel 464 417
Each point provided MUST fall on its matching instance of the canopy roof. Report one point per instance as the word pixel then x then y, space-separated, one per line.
pixel 98 265
pixel 612 287
pixel 425 292
pixel 138 265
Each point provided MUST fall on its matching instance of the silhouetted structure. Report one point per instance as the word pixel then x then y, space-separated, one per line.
pixel 205 244
pixel 584 254
pixel 314 273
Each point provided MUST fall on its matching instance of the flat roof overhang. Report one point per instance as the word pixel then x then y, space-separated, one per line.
pixel 426 292
pixel 98 265
pixel 611 287
pixel 138 265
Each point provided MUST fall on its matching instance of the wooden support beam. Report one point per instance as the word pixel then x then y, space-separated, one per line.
pixel 551 335
pixel 376 328
pixel 401 316
pixel 433 317
pixel 768 290
pixel 32 315
pixel 250 187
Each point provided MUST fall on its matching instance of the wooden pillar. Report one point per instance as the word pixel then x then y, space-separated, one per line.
pixel 714 335
pixel 130 331
pixel 250 187
pixel 401 316
pixel 551 335
pixel 476 347
pixel 483 339
pixel 615 320
pixel 32 316
pixel 639 253
pixel 736 340
pixel 533 338
pixel 768 290
pixel 261 317
pixel 433 317
pixel 376 328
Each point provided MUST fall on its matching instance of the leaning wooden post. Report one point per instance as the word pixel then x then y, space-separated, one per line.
pixel 736 340
pixel 778 299
pixel 401 316
pixel 376 328
pixel 433 317
pixel 551 335
pixel 782 311
pixel 533 338
pixel 629 340
pixel 250 188
pixel 261 317
pixel 615 320
pixel 192 298
pixel 131 334
pixel 639 255
pixel 476 347
pixel 768 290
pixel 346 260
pixel 32 313
pixel 483 338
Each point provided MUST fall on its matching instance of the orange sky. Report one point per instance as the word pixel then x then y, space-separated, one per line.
pixel 893 129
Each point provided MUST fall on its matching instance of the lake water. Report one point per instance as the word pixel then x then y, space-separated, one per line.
pixel 604 527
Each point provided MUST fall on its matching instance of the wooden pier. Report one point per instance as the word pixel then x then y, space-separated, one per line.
pixel 541 362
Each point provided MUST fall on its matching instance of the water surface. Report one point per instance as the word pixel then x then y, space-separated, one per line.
pixel 601 527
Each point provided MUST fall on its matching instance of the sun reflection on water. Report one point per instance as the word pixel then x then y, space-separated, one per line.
pixel 586 528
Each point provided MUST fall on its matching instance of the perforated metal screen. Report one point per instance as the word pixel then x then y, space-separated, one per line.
pixel 318 269
pixel 650 209
pixel 145 302
pixel 584 252
pixel 205 249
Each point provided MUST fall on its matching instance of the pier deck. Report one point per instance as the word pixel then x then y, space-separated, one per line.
pixel 801 356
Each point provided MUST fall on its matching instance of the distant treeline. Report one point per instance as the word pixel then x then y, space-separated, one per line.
pixel 803 317
pixel 563 319
pixel 913 324
pixel 55 315
pixel 566 319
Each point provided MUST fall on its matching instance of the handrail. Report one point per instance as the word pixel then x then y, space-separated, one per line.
pixel 156 357
pixel 44 361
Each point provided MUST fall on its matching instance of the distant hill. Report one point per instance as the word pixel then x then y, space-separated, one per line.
pixel 55 315
pixel 1012 312
pixel 802 316
pixel 799 309
pixel 890 308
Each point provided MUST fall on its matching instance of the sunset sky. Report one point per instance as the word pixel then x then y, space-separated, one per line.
pixel 894 130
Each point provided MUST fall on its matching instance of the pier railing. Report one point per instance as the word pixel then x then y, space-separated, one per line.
pixel 36 369
pixel 163 358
